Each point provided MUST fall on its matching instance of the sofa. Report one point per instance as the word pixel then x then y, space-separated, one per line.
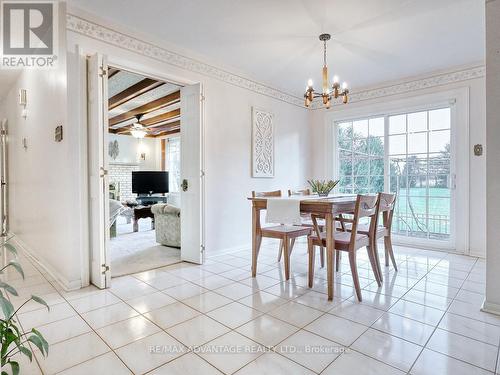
pixel 115 209
pixel 167 224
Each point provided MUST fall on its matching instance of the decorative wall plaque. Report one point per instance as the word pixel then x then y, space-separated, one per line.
pixel 262 143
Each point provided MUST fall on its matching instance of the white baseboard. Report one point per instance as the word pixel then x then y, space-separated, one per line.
pixel 490 307
pixel 64 283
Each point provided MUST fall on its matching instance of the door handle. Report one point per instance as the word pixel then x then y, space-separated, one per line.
pixel 103 172
pixel 184 185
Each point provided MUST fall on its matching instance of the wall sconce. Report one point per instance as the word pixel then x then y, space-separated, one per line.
pixel 143 156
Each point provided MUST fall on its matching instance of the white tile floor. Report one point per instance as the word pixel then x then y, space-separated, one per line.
pixel 212 319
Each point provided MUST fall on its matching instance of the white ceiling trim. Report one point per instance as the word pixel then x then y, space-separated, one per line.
pixel 416 84
pixel 107 35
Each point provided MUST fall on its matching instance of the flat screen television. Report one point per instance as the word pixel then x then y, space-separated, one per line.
pixel 149 182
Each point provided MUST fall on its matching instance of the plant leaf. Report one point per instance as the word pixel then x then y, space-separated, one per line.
pixel 8 338
pixel 8 288
pixel 15 367
pixel 17 266
pixel 10 248
pixel 38 343
pixel 44 342
pixel 26 352
pixel 40 301
pixel 7 307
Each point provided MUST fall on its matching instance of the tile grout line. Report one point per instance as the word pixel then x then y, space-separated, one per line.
pixel 232 300
pixel 437 327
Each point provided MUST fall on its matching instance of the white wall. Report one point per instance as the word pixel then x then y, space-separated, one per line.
pixel 227 143
pixel 492 302
pixel 477 164
pixel 44 202
pixel 130 149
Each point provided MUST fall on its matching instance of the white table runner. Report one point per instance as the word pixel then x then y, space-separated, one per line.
pixel 283 211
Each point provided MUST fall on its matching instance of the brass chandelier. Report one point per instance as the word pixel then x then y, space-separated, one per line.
pixel 328 94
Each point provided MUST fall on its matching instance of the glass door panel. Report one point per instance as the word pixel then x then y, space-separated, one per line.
pixel 408 154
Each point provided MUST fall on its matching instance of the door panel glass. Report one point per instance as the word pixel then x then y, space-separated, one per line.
pixel 397 144
pixel 417 122
pixel 439 119
pixel 397 124
pixel 439 141
pixel 417 143
pixel 415 148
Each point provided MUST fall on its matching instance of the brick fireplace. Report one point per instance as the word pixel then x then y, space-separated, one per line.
pixel 122 173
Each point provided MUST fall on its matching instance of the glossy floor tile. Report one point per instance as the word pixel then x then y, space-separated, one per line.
pixel 216 319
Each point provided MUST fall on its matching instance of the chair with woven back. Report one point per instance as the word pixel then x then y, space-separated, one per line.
pixel 285 233
pixel 350 242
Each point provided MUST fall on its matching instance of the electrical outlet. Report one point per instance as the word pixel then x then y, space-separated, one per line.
pixel 58 136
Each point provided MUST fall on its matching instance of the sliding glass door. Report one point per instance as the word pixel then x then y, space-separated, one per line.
pixel 409 154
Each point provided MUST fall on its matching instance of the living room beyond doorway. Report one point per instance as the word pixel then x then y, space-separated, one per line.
pixel 144 172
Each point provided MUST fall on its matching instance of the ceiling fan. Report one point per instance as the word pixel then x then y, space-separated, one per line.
pixel 137 130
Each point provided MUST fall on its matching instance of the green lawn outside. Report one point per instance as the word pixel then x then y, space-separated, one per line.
pixel 414 203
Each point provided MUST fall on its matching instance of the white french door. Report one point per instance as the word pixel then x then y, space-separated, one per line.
pixel 411 154
pixel 192 175
pixel 97 115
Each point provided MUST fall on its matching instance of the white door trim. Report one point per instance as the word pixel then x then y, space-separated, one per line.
pixel 146 69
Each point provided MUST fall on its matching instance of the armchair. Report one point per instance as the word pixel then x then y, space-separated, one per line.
pixel 167 224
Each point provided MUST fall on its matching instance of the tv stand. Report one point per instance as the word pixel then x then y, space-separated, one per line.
pixel 148 200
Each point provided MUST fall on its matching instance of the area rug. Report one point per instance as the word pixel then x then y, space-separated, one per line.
pixel 136 252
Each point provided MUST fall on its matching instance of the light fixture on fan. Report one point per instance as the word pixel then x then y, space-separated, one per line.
pixel 138 131
pixel 327 93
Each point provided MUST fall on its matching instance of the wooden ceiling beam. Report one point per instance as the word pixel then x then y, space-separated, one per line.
pixel 165 127
pixel 161 118
pixel 112 71
pixel 162 134
pixel 133 91
pixel 146 108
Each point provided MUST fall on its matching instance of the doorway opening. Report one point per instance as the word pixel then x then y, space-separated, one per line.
pixel 145 171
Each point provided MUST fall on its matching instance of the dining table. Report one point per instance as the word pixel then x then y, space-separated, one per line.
pixel 328 207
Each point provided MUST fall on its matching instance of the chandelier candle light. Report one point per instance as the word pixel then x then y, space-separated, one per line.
pixel 327 94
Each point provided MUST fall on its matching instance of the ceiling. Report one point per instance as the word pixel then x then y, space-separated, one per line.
pixel 276 41
pixel 156 103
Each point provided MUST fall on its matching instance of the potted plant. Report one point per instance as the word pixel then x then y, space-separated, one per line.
pixel 322 187
pixel 13 340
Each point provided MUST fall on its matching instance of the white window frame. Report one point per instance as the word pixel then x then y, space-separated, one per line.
pixel 458 102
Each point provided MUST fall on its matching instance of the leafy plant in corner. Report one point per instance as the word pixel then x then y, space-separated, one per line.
pixel 13 340
pixel 322 187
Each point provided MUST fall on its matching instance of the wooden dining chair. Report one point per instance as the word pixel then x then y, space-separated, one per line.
pixel 299 192
pixel 385 206
pixel 307 220
pixel 285 233
pixel 350 242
